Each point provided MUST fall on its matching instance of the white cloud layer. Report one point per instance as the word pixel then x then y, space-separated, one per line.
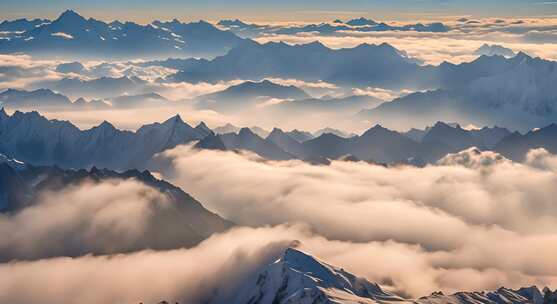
pixel 534 36
pixel 111 216
pixel 464 214
pixel 414 230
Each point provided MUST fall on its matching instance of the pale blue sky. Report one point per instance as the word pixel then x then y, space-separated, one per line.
pixel 303 10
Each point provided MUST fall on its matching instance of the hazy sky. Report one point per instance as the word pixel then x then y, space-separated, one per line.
pixel 284 10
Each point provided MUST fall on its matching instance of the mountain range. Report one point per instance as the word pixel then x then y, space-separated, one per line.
pixel 46 99
pixel 248 94
pixel 127 93
pixel 381 145
pixel 498 88
pixel 34 139
pixel 252 30
pixel 22 184
pixel 380 66
pixel 310 62
pixel 332 105
pixel 377 144
pixel 72 35
pixel 102 87
pixel 516 93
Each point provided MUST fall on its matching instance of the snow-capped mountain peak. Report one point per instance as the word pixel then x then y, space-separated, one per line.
pixel 297 277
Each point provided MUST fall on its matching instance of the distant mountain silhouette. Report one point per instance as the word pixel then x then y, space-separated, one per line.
pixel 494 49
pixel 288 144
pixel 251 30
pixel 238 97
pixel 228 128
pixel 349 104
pixel 300 135
pixel 42 98
pixel 247 140
pixel 336 132
pixel 103 87
pixel 46 99
pixel 355 66
pixel 517 93
pixel 72 36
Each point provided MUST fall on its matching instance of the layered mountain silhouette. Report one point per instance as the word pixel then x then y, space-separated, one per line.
pixel 185 222
pixel 514 92
pixel 350 104
pixel 314 61
pixel 252 30
pixel 230 128
pixel 517 93
pixel 73 35
pixel 334 131
pixel 41 98
pixel 103 87
pixel 46 99
pixel 248 94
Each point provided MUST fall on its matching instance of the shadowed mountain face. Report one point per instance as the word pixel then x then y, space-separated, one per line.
pixel 288 143
pixel 459 139
pixel 516 145
pixel 376 144
pixel 178 221
pixel 296 277
pixel 71 34
pixel 247 140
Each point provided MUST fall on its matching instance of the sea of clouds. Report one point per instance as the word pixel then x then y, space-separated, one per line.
pixel 474 221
